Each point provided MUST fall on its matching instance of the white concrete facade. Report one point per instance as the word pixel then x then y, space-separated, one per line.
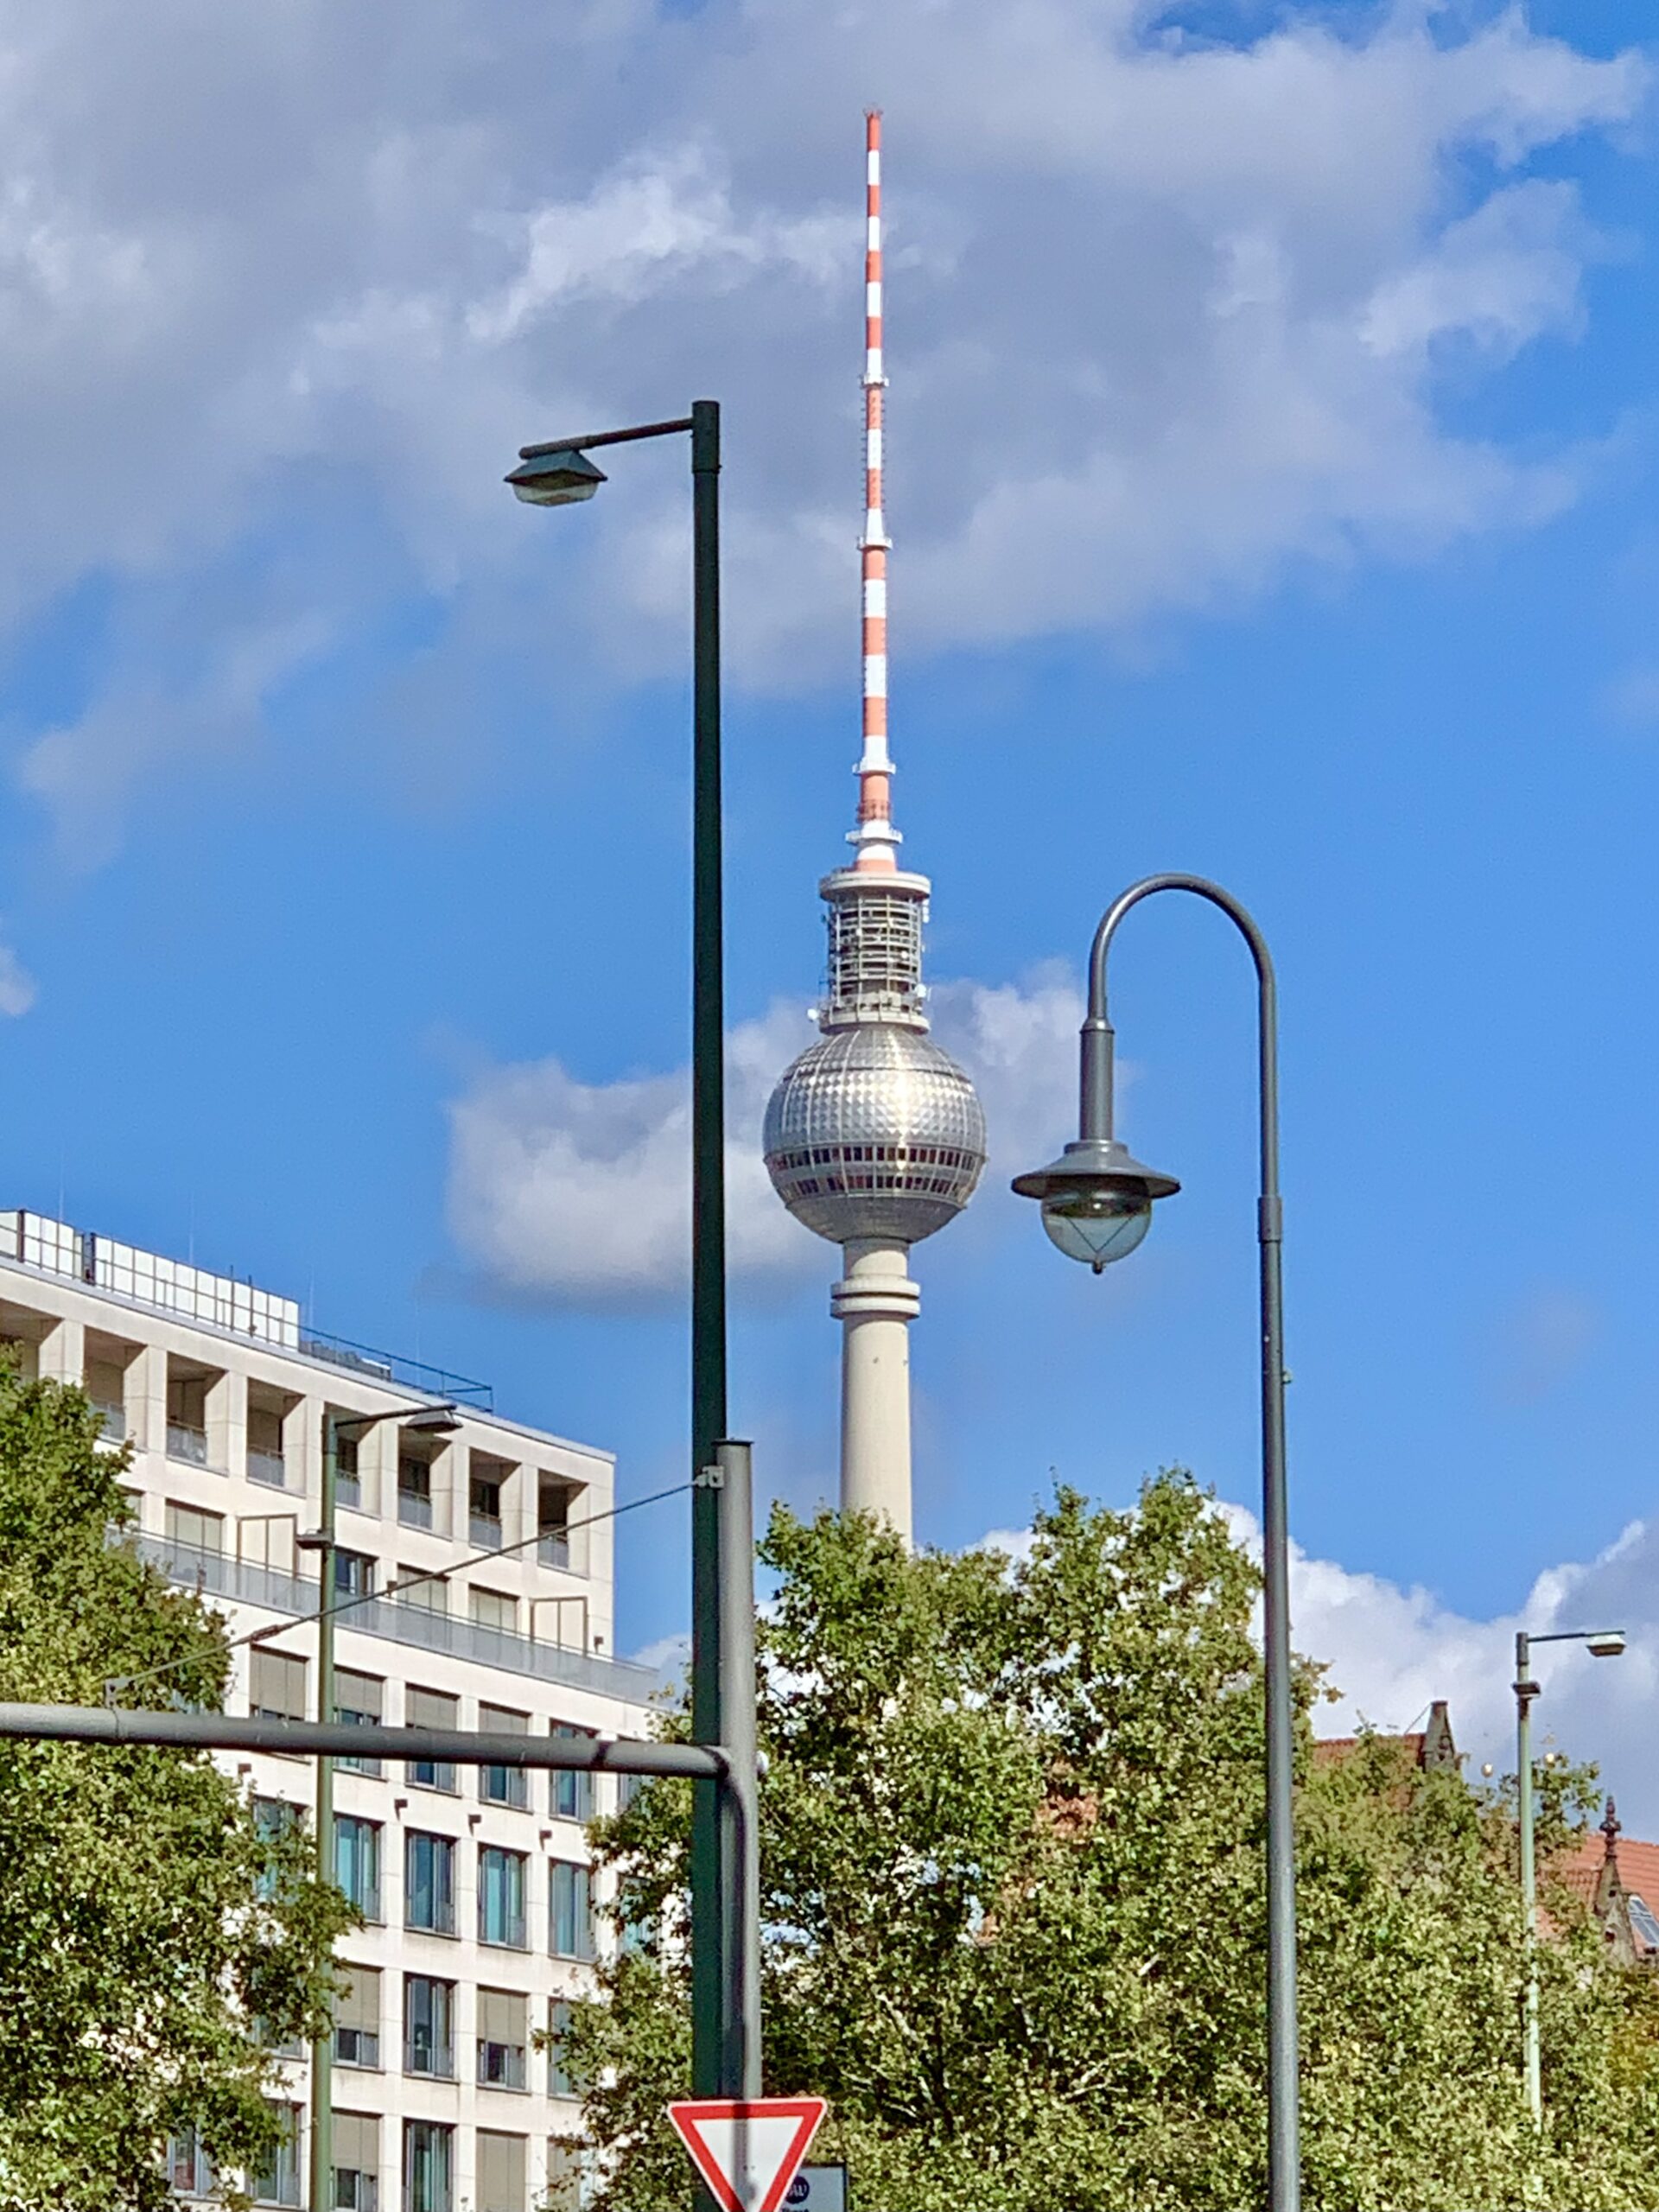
pixel 227 1430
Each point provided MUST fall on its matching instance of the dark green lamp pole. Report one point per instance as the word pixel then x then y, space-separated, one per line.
pixel 1098 1203
pixel 559 474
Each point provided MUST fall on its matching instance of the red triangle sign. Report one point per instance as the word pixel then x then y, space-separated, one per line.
pixel 747 2152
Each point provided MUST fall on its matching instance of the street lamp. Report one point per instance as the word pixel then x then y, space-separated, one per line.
pixel 559 474
pixel 1098 1199
pixel 1604 1643
pixel 428 1420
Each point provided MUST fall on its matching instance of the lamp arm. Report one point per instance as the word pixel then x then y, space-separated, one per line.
pixel 1097 1036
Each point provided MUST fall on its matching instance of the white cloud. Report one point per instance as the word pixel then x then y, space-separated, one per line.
pixel 17 985
pixel 1389 1652
pixel 1164 316
pixel 579 1193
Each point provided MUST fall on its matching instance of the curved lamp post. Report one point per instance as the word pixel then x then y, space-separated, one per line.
pixel 1605 1643
pixel 1097 1200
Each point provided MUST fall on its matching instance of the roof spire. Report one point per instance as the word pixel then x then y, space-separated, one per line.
pixel 875 837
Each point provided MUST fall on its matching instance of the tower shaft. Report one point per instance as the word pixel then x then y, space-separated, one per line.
pixel 876 1302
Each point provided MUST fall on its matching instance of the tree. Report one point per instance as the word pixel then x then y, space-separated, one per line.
pixel 149 1932
pixel 1011 1835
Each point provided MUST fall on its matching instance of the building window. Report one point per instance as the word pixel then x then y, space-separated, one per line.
pixel 569 1911
pixel 189 1530
pixel 358 1703
pixel 573 1791
pixel 503 1785
pixel 501 1897
pixel 189 2169
pixel 348 1475
pixel 503 2039
pixel 414 1491
pixel 495 1609
pixel 431 1709
pixel 357 2161
pixel 429 2166
pixel 564 2175
pixel 277 2181
pixel 429 1882
pixel 276 1686
pixel 486 1485
pixel 357 2017
pixel 354 1574
pixel 357 1862
pixel 431 1594
pixel 429 2026
pixel 553 1521
pixel 500 2171
pixel 561 2081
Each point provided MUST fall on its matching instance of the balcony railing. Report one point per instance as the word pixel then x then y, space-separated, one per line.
pixel 241 1581
pixel 553 1548
pixel 269 1467
pixel 184 1442
pixel 484 1531
pixel 414 1510
pixel 115 1421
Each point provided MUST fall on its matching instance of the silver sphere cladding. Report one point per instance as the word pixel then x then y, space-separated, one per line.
pixel 874 1132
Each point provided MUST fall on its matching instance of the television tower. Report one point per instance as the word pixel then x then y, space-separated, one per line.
pixel 874 1138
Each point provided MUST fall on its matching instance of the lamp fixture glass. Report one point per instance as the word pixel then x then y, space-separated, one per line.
pixel 1096 1200
pixel 556 480
pixel 1606 1643
pixel 1097 1227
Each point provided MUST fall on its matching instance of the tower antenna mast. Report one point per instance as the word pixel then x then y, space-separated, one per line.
pixel 874 1138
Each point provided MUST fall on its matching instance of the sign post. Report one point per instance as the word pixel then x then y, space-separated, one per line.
pixel 747 2151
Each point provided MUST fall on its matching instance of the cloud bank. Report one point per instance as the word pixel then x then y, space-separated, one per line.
pixel 562 1193
pixel 1168 316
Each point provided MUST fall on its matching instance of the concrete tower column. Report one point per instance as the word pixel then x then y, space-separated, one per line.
pixel 875 1303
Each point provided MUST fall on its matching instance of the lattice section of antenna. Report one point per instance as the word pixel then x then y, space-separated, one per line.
pixel 873 970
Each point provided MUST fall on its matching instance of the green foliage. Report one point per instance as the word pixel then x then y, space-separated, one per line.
pixel 1013 1887
pixel 143 1922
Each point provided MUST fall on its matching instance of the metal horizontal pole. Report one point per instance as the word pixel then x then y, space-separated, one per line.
pixel 216 1731
pixel 606 438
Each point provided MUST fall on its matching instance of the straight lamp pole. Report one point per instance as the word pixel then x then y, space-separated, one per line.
pixel 558 473
pixel 438 1419
pixel 1605 1643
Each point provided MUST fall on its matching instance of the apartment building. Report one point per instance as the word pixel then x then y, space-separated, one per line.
pixel 475 1886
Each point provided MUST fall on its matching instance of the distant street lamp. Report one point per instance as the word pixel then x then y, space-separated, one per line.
pixel 1605 1643
pixel 1098 1201
pixel 429 1421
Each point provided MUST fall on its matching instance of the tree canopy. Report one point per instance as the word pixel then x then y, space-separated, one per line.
pixel 1012 1874
pixel 146 1924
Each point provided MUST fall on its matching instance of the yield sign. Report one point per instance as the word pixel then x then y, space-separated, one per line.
pixel 747 2152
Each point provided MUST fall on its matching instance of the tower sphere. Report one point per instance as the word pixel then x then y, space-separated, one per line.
pixel 874 1132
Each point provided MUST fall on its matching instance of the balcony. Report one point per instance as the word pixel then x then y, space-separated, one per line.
pixel 268 1467
pixel 484 1531
pixel 243 1583
pixel 414 1510
pixel 184 1442
pixel 553 1548
pixel 114 1419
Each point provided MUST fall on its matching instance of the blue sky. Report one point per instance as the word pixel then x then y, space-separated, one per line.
pixel 1272 438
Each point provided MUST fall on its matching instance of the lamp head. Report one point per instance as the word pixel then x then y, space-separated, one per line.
pixel 432 1420
pixel 1096 1200
pixel 1606 1643
pixel 556 479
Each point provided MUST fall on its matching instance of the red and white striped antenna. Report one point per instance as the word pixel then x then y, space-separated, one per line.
pixel 875 837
